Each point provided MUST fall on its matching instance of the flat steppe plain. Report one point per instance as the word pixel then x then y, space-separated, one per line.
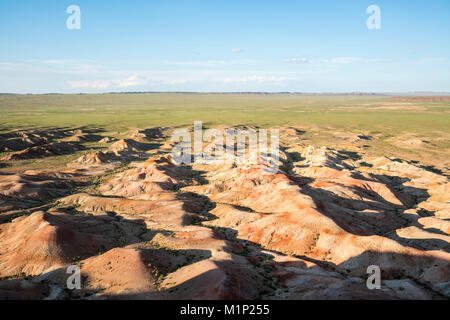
pixel 88 180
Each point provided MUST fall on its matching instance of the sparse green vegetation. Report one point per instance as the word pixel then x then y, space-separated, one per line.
pixel 118 112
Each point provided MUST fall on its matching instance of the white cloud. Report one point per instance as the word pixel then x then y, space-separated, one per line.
pixel 297 60
pixel 132 81
pixel 56 66
pixel 95 84
pixel 236 50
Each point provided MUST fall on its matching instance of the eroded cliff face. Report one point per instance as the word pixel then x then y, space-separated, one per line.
pixel 141 227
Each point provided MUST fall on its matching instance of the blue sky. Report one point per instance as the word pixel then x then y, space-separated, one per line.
pixel 226 45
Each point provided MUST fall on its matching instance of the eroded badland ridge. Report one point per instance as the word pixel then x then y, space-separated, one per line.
pixel 140 227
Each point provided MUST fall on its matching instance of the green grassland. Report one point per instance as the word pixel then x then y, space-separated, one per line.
pixel 121 111
pixel 319 115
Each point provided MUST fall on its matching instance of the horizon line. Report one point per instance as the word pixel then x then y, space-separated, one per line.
pixel 355 93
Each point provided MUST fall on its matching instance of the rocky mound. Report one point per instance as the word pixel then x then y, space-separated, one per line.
pixel 164 209
pixel 155 175
pixel 83 137
pixel 308 229
pixel 41 242
pixel 107 140
pixel 126 146
pixel 19 141
pixel 97 158
pixel 30 189
pixel 149 134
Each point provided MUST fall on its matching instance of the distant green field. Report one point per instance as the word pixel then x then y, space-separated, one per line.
pixel 320 116
pixel 121 111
